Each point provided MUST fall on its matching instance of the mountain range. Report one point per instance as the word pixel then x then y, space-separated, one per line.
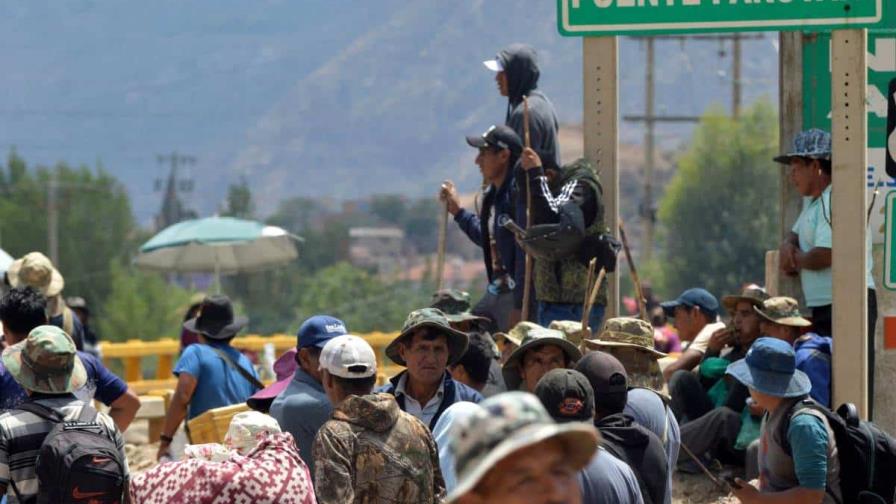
pixel 310 98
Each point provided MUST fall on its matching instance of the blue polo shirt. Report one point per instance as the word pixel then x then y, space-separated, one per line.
pixel 301 409
pixel 217 384
pixel 101 385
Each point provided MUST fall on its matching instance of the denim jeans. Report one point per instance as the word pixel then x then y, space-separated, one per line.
pixel 549 312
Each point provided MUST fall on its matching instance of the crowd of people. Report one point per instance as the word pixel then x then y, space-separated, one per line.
pixel 560 406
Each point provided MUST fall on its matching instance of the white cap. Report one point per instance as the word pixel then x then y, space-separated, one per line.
pixel 348 356
pixel 494 65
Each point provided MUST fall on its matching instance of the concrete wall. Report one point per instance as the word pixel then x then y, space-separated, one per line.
pixel 885 370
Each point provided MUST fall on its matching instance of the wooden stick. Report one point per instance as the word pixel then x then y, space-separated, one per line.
pixel 443 231
pixel 592 264
pixel 594 290
pixel 639 294
pixel 527 288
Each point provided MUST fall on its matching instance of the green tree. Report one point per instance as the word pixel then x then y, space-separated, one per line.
pixel 720 212
pixel 239 200
pixel 141 306
pixel 95 224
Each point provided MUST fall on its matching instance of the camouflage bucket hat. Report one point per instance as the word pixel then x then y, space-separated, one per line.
pixel 455 304
pixel 752 293
pixel 46 361
pixel 505 424
pixel 36 270
pixel 812 144
pixel 782 310
pixel 572 329
pixel 435 321
pixel 626 332
pixel 534 336
pixel 516 334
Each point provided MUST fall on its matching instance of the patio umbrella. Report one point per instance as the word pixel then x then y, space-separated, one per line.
pixel 5 260
pixel 218 245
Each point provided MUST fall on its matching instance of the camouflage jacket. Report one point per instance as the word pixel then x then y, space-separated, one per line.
pixel 370 451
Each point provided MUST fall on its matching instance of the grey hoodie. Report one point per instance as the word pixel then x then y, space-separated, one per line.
pixel 520 64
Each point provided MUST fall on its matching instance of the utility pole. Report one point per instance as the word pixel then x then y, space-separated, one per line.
pixel 647 212
pixel 52 219
pixel 173 210
pixel 735 76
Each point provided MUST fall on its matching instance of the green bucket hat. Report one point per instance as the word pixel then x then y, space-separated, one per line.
pixel 532 338
pixel 630 340
pixel 506 423
pixel 625 332
pixel 752 293
pixel 434 320
pixel 782 310
pixel 455 304
pixel 46 361
pixel 518 332
pixel 571 328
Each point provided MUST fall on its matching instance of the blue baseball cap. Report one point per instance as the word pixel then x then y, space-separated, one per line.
pixel 318 330
pixel 770 368
pixel 690 298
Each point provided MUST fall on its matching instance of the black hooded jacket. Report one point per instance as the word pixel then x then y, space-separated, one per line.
pixel 641 450
pixel 521 68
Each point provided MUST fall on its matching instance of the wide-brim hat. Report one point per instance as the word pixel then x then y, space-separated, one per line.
pixel 216 319
pixel 506 424
pixel 435 320
pixel 752 294
pixel 627 332
pixel 36 270
pixel 62 370
pixel 782 310
pixel 536 338
pixel 770 382
pixel 284 367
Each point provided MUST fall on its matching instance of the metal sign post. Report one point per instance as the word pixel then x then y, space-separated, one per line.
pixel 601 130
pixel 849 80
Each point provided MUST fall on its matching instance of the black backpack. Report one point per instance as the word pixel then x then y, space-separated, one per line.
pixel 867 454
pixel 78 461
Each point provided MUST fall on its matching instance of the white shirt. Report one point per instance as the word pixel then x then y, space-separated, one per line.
pixel 701 342
pixel 424 413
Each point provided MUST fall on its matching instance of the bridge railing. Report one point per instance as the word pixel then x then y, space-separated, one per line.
pixel 132 353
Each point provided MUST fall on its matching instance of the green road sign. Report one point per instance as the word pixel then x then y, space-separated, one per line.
pixel 576 18
pixel 890 233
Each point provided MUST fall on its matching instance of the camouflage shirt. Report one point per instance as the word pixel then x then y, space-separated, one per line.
pixel 370 451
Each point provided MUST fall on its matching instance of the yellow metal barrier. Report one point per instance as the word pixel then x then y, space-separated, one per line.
pixel 132 352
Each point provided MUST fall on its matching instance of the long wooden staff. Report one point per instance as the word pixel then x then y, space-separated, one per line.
pixel 642 308
pixel 592 264
pixel 592 297
pixel 443 231
pixel 527 279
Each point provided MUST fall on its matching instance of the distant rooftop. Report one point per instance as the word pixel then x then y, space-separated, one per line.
pixel 376 232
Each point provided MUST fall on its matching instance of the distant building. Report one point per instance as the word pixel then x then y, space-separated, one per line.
pixel 377 248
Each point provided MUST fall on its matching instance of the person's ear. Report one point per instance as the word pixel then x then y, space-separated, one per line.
pixel 403 351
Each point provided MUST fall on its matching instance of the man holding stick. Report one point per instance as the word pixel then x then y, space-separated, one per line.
pixel 499 149
pixel 567 205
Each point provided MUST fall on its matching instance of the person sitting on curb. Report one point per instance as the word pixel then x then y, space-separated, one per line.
pixel 801 466
pixel 21 310
pixel 46 364
pixel 302 407
pixel 630 340
pixel 426 346
pixel 210 374
pixel 781 319
pixel 568 397
pixel 641 449
pixel 540 351
pixel 370 450
pixel 511 451
pixel 695 315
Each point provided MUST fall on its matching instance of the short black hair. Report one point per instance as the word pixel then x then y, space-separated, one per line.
pixel 478 358
pixel 355 386
pixel 22 309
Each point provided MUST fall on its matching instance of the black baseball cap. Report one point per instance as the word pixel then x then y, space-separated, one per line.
pixel 497 137
pixel 567 395
pixel 607 377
